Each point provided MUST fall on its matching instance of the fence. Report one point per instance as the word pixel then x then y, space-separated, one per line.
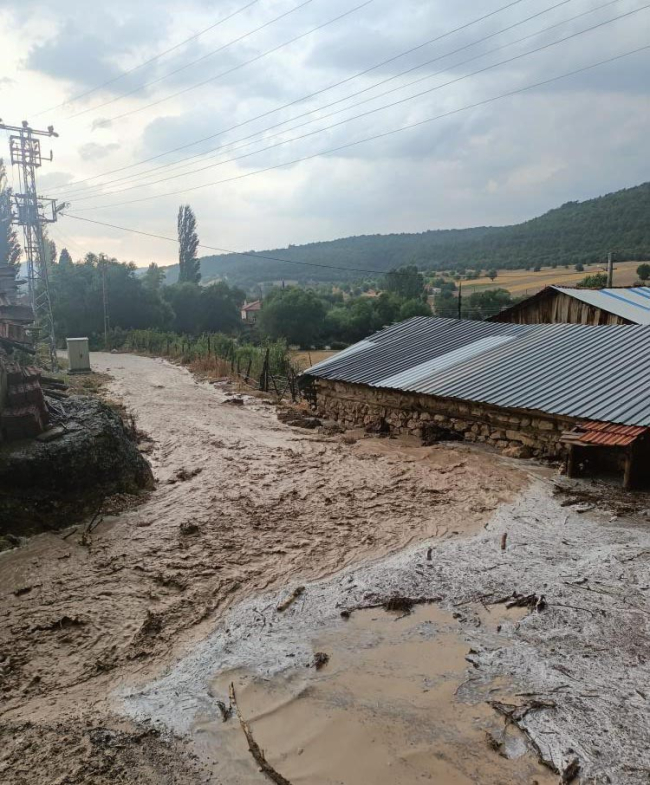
pixel 267 368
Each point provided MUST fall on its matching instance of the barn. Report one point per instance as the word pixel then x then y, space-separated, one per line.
pixel 557 391
pixel 561 304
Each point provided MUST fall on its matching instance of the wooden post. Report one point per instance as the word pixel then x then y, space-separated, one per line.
pixel 571 462
pixel 630 465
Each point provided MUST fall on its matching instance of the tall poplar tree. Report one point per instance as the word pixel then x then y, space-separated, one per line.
pixel 189 267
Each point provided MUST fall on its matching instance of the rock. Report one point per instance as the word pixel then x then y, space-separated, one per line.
pixel 49 484
pixel 51 434
pixel 517 452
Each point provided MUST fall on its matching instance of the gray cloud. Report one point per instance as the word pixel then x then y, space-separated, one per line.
pixel 92 151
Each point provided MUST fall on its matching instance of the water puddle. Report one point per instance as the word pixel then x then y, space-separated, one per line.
pixel 383 710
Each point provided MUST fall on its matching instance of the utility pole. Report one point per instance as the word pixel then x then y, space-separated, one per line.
pixel 105 302
pixel 460 298
pixel 610 270
pixel 32 213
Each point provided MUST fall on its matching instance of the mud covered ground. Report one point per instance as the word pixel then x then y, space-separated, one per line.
pixel 244 505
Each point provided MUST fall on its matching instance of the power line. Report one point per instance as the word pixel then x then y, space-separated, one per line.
pixel 241 65
pixel 303 98
pixel 227 250
pixel 385 134
pixel 135 178
pixel 84 196
pixel 148 62
pixel 187 65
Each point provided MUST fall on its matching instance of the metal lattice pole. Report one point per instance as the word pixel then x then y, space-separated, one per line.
pixel 32 213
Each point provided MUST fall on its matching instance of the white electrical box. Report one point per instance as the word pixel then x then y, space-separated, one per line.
pixel 78 357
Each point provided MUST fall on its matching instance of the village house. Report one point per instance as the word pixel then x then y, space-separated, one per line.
pixel 249 311
pixel 560 304
pixel 578 393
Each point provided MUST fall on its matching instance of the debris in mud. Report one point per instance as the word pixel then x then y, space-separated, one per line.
pixel 183 475
pixel 225 711
pixel 253 746
pixel 320 660
pixel 571 772
pixel 233 402
pixel 188 528
pixel 395 604
pixel 297 418
pixel 534 601
pixel 291 598
pixel 83 753
pixel 62 623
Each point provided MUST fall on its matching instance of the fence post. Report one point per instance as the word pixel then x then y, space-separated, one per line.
pixel 209 348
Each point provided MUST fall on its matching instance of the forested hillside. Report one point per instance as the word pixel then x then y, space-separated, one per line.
pixel 576 232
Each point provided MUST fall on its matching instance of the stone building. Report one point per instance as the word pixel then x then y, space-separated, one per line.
pixel 527 390
pixel 564 305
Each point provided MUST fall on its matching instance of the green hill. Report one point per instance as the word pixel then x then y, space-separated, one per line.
pixel 576 232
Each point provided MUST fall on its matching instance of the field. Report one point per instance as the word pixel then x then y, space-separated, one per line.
pixel 304 360
pixel 522 283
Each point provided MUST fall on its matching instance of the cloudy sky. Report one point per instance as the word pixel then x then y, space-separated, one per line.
pixel 268 88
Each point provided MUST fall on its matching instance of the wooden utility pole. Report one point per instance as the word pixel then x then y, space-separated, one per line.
pixel 610 270
pixel 460 298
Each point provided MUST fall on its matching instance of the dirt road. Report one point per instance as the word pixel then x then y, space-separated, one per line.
pixel 243 505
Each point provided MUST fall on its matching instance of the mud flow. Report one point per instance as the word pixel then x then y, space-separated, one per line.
pixel 383 709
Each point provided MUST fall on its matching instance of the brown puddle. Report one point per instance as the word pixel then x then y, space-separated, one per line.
pixel 383 710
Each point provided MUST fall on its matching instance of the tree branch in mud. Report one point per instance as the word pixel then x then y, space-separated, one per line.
pixel 253 746
pixel 291 598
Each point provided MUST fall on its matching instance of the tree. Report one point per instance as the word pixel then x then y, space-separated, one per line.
pixel 579 268
pixel 492 274
pixel 596 281
pixel 406 282
pixel 154 277
pixel 219 308
pixel 185 299
pixel 481 305
pixel 643 271
pixel 64 258
pixel 411 308
pixel 294 314
pixel 9 246
pixel 189 267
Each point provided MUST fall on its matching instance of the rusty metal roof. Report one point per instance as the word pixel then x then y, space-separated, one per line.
pixel 599 373
pixel 606 434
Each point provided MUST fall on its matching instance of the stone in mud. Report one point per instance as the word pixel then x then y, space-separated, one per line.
pixel 45 485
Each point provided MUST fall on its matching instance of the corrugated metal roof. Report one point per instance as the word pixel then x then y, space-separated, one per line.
pixel 600 373
pixel 605 434
pixel 632 304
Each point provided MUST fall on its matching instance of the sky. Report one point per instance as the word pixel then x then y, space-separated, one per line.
pixel 279 85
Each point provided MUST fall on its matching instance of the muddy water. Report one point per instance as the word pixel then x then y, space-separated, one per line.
pixel 383 710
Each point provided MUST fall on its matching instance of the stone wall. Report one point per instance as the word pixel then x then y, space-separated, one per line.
pixel 518 433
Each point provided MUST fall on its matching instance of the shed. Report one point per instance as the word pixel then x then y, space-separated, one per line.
pixel 515 387
pixel 561 304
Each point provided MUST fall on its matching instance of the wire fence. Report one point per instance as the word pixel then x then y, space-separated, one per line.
pixel 267 368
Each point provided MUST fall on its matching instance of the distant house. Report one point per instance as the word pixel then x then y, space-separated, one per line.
pixel 559 304
pixel 249 311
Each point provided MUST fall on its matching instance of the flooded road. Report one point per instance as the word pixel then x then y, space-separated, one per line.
pixel 244 504
pixel 115 651
pixel 382 710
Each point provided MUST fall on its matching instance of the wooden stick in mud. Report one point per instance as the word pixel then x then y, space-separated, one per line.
pixel 291 598
pixel 253 746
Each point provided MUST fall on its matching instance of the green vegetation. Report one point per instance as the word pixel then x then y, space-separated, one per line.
pixel 576 233
pixel 9 246
pixel 596 281
pixel 189 267
pixel 643 271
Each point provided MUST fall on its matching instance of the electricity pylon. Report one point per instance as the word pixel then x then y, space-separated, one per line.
pixel 32 213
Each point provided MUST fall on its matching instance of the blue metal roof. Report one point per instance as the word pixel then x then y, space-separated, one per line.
pixel 632 304
pixel 591 372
